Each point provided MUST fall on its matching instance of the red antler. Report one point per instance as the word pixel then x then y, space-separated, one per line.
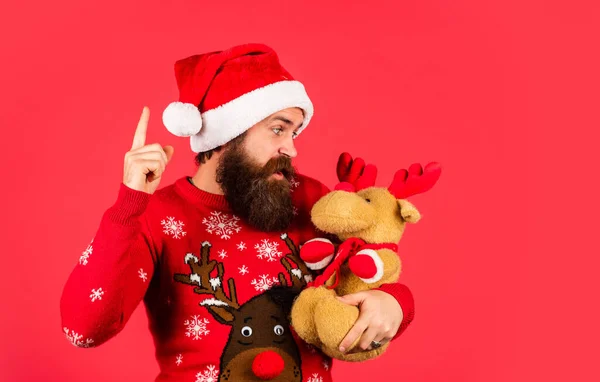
pixel 416 180
pixel 348 169
pixel 353 174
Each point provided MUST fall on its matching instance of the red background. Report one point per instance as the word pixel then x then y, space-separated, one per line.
pixel 504 95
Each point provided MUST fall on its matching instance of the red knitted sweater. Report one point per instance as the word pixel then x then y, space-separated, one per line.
pixel 207 281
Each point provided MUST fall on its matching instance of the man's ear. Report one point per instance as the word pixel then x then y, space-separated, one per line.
pixel 408 211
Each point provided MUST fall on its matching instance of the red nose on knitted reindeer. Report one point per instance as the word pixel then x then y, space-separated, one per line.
pixel 370 221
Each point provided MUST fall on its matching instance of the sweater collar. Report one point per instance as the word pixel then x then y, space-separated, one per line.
pixel 198 196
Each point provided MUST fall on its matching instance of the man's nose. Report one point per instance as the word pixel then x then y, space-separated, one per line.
pixel 288 148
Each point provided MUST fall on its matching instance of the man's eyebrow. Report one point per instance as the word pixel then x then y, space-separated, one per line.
pixel 284 120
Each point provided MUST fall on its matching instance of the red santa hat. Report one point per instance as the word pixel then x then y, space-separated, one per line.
pixel 222 94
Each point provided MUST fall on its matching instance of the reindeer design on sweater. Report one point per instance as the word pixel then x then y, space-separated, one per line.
pixel 260 345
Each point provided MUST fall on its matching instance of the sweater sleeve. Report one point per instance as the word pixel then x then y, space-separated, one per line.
pixel 112 275
pixel 405 298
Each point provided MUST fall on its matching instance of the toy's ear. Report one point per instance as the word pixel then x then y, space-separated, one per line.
pixel 408 211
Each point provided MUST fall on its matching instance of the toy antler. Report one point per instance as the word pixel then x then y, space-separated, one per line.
pixel 415 180
pixel 348 169
pixel 354 174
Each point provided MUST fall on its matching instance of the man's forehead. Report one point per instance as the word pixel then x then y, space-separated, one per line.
pixel 293 115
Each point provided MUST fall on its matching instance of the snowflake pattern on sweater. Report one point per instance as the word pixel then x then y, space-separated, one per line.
pixel 315 378
pixel 210 374
pixel 77 339
pixel 173 228
pixel 268 250
pixel 83 259
pixel 221 224
pixel 196 327
pixel 263 282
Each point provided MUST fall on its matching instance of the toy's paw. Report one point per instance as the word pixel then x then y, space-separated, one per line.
pixel 367 265
pixel 303 313
pixel 333 320
pixel 317 253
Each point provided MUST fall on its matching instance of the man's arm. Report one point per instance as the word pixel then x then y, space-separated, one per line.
pixel 406 301
pixel 112 276
pixel 114 272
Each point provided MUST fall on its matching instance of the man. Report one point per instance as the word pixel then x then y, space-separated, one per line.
pixel 211 254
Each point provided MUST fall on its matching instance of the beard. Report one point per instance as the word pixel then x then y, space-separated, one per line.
pixel 253 195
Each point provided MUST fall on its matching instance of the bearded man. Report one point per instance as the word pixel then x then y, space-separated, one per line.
pixel 206 252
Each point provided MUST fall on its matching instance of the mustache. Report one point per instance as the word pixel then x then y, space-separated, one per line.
pixel 282 164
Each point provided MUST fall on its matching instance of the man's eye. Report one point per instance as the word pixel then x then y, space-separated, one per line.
pixel 277 130
pixel 294 134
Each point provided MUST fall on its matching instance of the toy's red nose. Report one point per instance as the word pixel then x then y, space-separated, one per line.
pixel 267 365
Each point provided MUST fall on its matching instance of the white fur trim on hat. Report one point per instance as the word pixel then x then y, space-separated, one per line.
pixel 182 119
pixel 222 124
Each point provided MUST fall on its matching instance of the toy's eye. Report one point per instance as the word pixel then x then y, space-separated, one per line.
pixel 368 200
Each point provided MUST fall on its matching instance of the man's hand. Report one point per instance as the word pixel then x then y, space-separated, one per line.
pixel 379 319
pixel 145 164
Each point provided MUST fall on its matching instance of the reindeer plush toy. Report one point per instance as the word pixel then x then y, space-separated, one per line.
pixel 370 221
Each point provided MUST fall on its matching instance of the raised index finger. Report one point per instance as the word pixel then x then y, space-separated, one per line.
pixel 139 139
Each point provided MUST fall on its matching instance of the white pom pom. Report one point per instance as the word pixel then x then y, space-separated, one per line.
pixel 182 119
